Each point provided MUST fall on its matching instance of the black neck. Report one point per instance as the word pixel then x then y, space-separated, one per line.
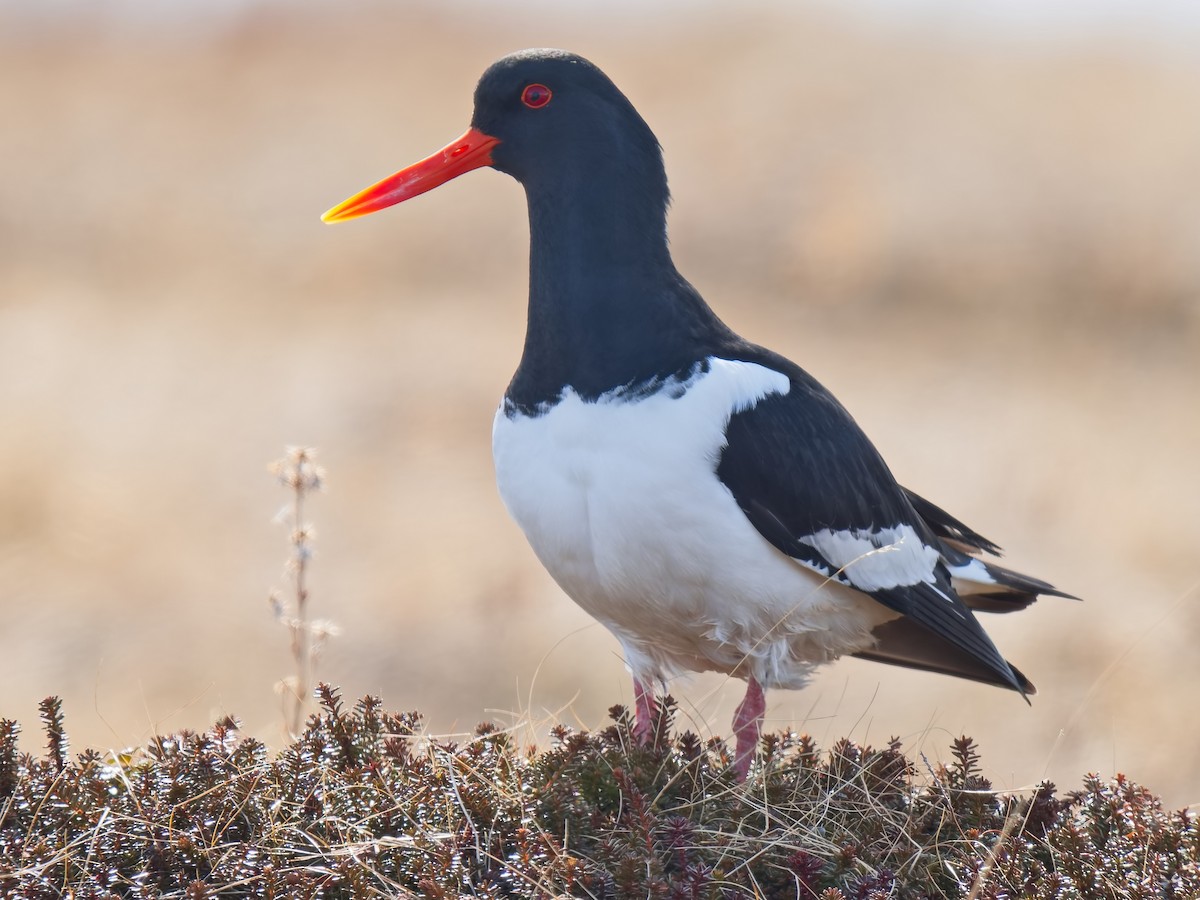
pixel 606 304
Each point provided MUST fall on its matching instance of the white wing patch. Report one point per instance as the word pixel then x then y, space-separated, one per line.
pixel 877 559
pixel 971 577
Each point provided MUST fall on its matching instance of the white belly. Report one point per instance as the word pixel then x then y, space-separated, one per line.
pixel 620 500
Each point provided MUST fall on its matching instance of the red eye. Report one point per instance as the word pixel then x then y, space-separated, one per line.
pixel 535 96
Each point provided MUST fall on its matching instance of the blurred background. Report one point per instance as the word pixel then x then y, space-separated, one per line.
pixel 979 225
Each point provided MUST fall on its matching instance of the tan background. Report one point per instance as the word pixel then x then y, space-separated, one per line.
pixel 987 245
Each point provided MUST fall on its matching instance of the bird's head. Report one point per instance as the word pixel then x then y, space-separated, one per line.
pixel 548 118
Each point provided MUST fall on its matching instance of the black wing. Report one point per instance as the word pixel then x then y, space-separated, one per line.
pixel 814 486
pixel 949 528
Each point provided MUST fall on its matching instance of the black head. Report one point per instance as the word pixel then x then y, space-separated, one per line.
pixel 550 119
pixel 557 116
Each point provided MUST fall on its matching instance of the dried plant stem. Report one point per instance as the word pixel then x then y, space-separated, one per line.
pixel 300 633
pixel 300 474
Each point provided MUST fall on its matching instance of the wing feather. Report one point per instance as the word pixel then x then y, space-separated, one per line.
pixel 815 487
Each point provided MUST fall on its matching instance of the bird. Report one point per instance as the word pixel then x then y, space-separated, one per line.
pixel 704 498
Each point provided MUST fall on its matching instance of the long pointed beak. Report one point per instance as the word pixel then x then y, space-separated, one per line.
pixel 472 150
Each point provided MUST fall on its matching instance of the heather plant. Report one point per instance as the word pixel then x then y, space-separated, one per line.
pixel 364 804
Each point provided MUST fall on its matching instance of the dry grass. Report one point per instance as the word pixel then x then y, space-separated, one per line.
pixel 988 252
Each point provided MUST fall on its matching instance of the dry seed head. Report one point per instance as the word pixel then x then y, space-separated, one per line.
pixel 303 534
pixel 298 470
pixel 324 628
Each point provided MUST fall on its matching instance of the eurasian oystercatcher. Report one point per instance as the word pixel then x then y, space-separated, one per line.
pixel 701 496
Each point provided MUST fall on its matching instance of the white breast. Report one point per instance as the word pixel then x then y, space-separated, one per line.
pixel 620 500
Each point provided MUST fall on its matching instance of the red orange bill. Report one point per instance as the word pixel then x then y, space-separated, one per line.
pixel 472 150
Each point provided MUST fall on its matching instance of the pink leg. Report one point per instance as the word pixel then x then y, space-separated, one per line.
pixel 746 723
pixel 643 696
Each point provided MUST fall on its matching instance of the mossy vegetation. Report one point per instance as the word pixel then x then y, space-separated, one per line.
pixel 363 805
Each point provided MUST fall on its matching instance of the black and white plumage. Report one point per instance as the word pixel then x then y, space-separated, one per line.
pixel 704 498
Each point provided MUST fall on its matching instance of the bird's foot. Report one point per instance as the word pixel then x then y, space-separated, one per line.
pixel 747 722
